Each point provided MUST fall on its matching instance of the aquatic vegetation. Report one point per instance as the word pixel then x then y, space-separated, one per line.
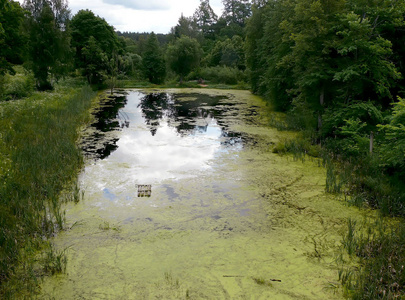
pixel 262 281
pixel 105 226
pixel 40 159
pixel 226 217
pixel 379 247
pixel 54 261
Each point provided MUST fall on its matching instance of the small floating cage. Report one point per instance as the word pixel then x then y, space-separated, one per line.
pixel 144 190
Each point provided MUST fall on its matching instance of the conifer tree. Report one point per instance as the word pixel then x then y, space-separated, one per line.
pixel 153 60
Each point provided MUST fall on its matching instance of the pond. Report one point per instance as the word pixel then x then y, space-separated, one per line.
pixel 184 199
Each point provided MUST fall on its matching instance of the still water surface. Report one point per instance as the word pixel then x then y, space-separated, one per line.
pixel 184 199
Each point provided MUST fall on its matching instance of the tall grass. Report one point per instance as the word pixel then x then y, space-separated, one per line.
pixel 380 248
pixel 38 159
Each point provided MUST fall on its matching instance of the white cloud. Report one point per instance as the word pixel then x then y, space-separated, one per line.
pixel 141 4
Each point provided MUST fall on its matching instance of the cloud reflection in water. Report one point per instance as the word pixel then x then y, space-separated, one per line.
pixel 163 139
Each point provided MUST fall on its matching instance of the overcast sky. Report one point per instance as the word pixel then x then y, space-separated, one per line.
pixel 141 15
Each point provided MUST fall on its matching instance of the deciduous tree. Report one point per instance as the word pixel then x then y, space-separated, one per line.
pixel 49 39
pixel 184 55
pixel 12 39
pixel 92 34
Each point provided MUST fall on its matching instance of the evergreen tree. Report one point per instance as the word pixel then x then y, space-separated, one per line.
pixel 236 11
pixel 153 60
pixel 186 26
pixel 205 18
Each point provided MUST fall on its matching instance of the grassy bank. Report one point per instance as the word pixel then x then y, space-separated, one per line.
pixel 39 159
pixel 367 181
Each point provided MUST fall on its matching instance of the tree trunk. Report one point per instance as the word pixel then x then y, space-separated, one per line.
pixel 321 102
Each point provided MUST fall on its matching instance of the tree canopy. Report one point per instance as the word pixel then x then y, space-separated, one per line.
pixel 49 39
pixel 153 60
pixel 94 41
pixel 12 40
pixel 184 55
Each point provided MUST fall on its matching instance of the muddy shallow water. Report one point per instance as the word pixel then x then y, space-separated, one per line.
pixel 184 199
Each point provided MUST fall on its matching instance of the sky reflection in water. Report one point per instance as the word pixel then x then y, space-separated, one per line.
pixel 158 137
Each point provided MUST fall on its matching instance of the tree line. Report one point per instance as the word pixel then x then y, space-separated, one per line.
pixel 337 68
pixel 45 37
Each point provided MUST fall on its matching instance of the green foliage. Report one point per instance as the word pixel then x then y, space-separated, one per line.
pixel 347 128
pixel 229 52
pixel 363 62
pixel 153 60
pixel 322 52
pixel 365 113
pixel 236 12
pixel 18 86
pixel 132 66
pixel 393 148
pixel 12 40
pixel 184 55
pixel 49 41
pixel 186 27
pixel 95 61
pixel 38 159
pixel 382 258
pixel 95 43
pixel 219 74
pixel 205 18
pixel 254 60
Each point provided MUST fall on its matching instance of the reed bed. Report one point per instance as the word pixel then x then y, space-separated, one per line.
pixel 39 158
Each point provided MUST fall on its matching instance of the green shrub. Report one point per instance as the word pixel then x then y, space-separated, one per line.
pixel 18 86
pixel 392 150
pixel 219 74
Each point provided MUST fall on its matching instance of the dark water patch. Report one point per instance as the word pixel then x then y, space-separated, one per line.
pixel 96 142
pixel 129 220
pixel 232 138
pixel 191 115
pixel 188 113
pixel 171 194
pixel 108 117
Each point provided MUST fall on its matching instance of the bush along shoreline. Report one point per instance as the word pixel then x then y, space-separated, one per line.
pixel 39 158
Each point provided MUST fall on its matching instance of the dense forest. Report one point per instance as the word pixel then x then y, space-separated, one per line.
pixel 336 68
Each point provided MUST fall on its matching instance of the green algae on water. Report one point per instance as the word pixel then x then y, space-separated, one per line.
pixel 237 222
